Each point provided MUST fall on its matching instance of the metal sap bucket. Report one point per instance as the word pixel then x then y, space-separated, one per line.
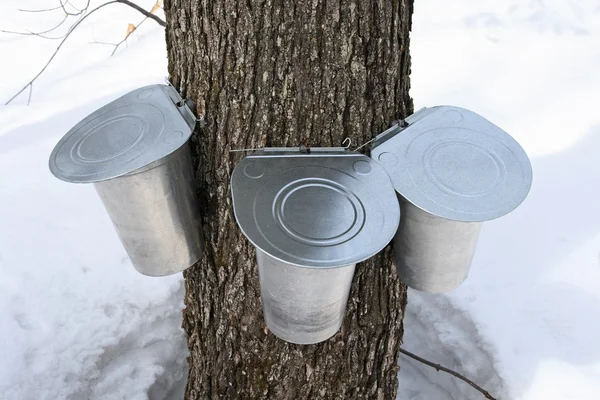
pixel 452 170
pixel 312 217
pixel 135 151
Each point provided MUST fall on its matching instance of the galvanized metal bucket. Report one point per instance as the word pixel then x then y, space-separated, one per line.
pixel 311 217
pixel 135 152
pixel 452 170
pixel 303 305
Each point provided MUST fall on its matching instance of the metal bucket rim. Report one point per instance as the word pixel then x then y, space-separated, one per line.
pixel 464 219
pixel 279 259
pixel 146 167
pixel 306 266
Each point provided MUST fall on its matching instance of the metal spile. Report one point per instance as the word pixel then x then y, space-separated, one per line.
pixel 135 152
pixel 312 217
pixel 453 170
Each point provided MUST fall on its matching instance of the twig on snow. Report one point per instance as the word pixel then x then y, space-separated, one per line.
pixel 71 29
pixel 84 14
pixel 40 34
pixel 42 10
pixel 147 14
pixel 448 371
pixel 72 5
pixel 116 45
pixel 77 12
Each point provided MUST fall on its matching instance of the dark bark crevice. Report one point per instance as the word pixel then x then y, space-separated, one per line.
pixel 277 73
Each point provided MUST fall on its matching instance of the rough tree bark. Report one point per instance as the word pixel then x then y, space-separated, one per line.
pixel 277 73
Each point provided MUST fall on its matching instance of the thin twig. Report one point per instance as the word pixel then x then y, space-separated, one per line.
pixel 116 45
pixel 127 36
pixel 47 37
pixel 74 26
pixel 71 29
pixel 42 10
pixel 72 5
pixel 30 33
pixel 78 12
pixel 104 43
pixel 147 14
pixel 449 371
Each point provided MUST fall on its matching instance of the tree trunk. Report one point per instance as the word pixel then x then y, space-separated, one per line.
pixel 277 73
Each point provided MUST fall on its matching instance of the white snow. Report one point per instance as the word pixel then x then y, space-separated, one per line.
pixel 77 321
pixel 525 323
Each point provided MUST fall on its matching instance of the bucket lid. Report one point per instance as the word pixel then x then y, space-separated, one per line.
pixel 131 132
pixel 323 209
pixel 455 164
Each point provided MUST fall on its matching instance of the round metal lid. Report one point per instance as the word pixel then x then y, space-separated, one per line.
pixel 131 132
pixel 318 210
pixel 456 165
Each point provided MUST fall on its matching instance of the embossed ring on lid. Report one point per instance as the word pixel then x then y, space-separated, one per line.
pixel 135 130
pixel 315 210
pixel 456 165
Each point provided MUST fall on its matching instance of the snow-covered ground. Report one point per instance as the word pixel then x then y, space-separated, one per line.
pixel 77 322
pixel 526 323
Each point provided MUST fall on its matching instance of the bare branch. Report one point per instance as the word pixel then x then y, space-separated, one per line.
pixel 72 5
pixel 448 371
pixel 42 10
pixel 127 36
pixel 84 14
pixel 103 43
pixel 71 29
pixel 77 12
pixel 47 37
pixel 144 12
pixel 116 45
pixel 30 33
